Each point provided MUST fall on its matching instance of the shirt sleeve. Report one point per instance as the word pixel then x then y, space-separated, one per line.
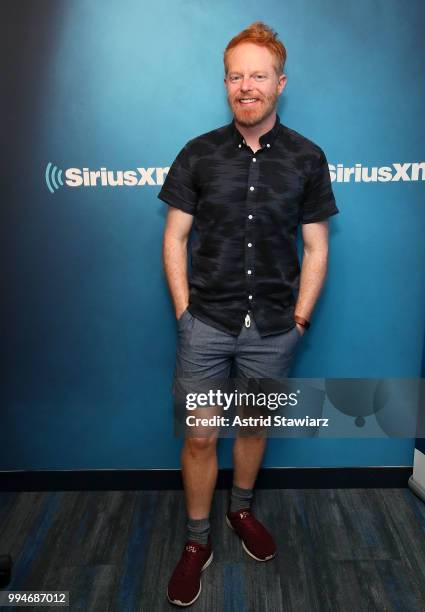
pixel 179 188
pixel 319 201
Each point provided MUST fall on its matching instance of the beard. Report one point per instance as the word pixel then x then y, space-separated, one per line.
pixel 249 117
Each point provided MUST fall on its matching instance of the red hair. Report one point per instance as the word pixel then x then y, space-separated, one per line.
pixel 259 33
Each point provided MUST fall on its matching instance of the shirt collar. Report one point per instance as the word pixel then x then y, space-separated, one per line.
pixel 266 140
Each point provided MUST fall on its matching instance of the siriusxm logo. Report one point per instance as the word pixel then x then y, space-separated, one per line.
pixel 77 177
pixel 383 174
pixel 53 177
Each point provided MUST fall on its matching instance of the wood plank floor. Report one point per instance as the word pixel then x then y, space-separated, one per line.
pixel 338 550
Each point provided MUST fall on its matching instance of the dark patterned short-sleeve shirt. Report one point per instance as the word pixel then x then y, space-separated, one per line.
pixel 247 207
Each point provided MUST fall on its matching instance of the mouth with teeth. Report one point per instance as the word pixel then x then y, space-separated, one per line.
pixel 248 101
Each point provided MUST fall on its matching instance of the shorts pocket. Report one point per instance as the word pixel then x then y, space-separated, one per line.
pixel 184 317
pixel 297 331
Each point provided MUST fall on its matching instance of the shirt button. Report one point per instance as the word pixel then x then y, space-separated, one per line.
pixel 249 216
pixel 249 271
pixel 250 244
pixel 254 159
pixel 268 146
pixel 249 297
pixel 251 188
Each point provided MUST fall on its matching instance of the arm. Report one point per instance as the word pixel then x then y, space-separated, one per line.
pixel 313 269
pixel 174 252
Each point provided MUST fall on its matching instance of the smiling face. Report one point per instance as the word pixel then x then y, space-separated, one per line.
pixel 253 86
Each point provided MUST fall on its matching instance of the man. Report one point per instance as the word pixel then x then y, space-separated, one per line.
pixel 245 188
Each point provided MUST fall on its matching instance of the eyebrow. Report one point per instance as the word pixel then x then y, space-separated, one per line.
pixel 254 72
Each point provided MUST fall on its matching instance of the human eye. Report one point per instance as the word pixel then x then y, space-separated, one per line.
pixel 234 78
pixel 259 77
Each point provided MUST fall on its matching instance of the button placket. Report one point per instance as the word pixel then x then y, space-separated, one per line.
pixel 250 222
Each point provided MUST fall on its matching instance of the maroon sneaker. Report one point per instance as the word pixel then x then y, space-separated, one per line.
pixel 185 584
pixel 256 540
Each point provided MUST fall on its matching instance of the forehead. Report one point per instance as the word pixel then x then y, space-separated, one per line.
pixel 247 57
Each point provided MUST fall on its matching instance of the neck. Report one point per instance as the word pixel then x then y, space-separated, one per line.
pixel 252 134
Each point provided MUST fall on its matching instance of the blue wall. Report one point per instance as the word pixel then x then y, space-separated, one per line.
pixel 88 330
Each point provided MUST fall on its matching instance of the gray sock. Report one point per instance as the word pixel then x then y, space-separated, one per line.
pixel 198 530
pixel 240 498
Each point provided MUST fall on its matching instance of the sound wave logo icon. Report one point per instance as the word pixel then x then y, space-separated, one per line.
pixel 53 177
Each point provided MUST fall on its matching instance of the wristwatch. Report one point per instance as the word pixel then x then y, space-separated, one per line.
pixel 302 321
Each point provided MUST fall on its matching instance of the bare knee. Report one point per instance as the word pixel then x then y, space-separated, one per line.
pixel 198 446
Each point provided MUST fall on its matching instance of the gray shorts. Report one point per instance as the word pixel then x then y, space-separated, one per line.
pixel 204 352
pixel 245 363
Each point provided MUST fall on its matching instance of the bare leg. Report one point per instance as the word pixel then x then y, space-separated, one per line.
pixel 199 470
pixel 247 456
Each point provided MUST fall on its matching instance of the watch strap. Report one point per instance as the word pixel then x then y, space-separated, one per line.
pixel 302 321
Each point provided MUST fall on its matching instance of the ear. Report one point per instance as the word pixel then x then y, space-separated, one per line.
pixel 282 83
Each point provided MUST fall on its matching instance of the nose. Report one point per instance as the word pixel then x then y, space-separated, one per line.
pixel 246 84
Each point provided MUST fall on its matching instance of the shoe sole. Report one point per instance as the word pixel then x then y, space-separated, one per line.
pixel 177 602
pixel 245 548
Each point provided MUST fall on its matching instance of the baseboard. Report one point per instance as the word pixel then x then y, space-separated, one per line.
pixel 417 488
pixel 268 478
